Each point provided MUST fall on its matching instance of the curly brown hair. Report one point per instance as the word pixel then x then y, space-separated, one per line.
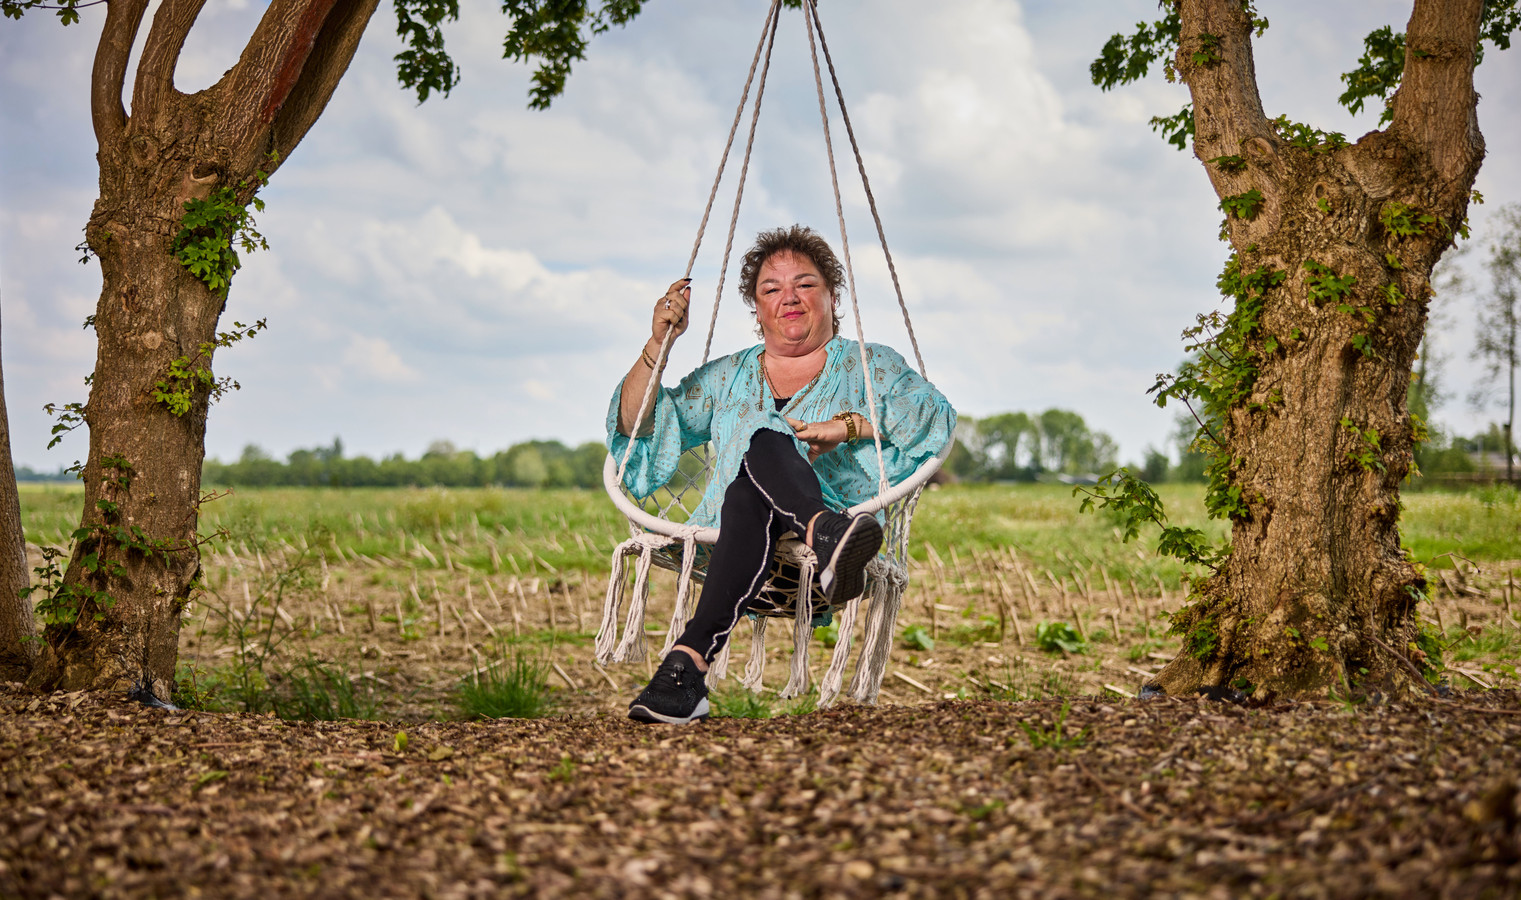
pixel 804 242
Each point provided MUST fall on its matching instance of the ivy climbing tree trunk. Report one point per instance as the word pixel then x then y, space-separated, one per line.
pixel 1330 273
pixel 114 616
pixel 17 628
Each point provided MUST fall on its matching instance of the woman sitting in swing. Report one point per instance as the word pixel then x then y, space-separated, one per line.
pixel 792 440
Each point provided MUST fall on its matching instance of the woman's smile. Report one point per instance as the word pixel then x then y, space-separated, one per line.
pixel 793 305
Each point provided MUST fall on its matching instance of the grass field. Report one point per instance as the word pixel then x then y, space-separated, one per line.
pixel 380 601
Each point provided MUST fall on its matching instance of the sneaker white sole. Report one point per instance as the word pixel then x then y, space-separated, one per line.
pixel 641 713
pixel 854 551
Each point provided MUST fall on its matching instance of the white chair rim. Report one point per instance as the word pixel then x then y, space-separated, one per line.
pixel 650 522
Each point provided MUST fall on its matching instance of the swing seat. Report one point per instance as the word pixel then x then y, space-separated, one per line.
pixel 660 536
pixel 661 539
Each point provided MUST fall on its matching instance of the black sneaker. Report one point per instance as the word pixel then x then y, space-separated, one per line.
pixel 844 545
pixel 676 695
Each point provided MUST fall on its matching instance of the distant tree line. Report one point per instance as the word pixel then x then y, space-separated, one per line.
pixel 529 464
pixel 1016 446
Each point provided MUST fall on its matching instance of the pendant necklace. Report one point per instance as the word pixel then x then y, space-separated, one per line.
pixel 771 387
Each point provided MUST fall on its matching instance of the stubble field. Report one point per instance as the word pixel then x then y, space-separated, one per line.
pixel 395 596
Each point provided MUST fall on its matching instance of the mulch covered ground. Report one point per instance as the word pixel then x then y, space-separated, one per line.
pixel 103 797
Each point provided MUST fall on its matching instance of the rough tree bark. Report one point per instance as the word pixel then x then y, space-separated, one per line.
pixel 17 630
pixel 1317 593
pixel 131 573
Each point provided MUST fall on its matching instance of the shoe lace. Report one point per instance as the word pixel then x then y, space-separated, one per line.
pixel 673 670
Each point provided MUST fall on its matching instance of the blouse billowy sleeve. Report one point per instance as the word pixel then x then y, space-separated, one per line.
pixel 683 420
pixel 917 421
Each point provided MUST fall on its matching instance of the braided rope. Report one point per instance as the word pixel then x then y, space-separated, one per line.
pixel 670 333
pixel 871 200
pixel 850 275
pixel 739 191
pixel 769 29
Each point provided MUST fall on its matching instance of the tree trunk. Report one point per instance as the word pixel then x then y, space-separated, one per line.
pixel 1316 593
pixel 18 632
pixel 117 617
pixel 114 622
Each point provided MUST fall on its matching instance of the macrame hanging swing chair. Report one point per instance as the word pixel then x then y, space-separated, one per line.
pixel 660 536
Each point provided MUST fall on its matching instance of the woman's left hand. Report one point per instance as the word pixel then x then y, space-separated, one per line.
pixel 821 437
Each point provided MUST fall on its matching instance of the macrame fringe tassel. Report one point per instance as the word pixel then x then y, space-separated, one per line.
pixel 829 687
pixel 683 592
pixel 886 597
pixel 631 648
pixel 802 633
pixel 755 669
pixel 607 632
pixel 720 667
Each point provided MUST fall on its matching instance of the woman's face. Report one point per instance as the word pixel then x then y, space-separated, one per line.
pixel 793 305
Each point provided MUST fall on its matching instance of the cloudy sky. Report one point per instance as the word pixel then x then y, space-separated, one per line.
pixel 472 270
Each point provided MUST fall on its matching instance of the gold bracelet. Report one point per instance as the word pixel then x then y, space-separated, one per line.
pixel 644 354
pixel 849 419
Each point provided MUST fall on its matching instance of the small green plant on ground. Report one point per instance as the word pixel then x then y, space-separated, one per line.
pixel 256 629
pixel 315 691
pixel 917 637
pixel 803 705
pixel 985 629
pixel 1059 637
pixel 1466 646
pixel 511 686
pixel 563 771
pixel 195 688
pixel 1055 737
pixel 739 704
pixel 1020 681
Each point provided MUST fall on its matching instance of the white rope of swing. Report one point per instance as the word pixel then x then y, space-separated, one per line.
pixel 767 41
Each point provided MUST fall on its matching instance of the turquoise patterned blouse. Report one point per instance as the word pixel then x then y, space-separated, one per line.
pixel 727 401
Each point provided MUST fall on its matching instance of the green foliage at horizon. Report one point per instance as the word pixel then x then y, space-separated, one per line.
pixel 531 464
pixel 1017 446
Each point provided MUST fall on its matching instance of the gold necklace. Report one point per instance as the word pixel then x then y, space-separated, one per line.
pixel 795 398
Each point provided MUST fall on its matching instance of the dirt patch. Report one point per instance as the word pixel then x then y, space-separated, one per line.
pixel 103 797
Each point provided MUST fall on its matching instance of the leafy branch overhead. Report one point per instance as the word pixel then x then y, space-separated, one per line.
pixel 1128 58
pixel 556 33
pixel 68 10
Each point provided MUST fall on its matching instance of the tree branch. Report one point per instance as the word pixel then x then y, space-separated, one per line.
pixel 254 91
pixel 1436 107
pixel 329 59
pixel 161 52
pixel 123 19
pixel 1215 59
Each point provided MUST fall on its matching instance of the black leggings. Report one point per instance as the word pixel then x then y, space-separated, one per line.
pixel 776 491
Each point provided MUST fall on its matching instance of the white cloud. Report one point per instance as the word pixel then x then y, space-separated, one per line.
pixel 473 270
pixel 371 357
